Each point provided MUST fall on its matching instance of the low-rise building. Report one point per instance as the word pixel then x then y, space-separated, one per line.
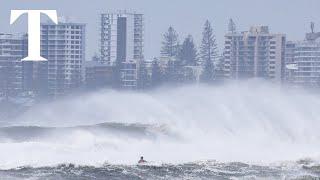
pixel 98 75
pixel 129 75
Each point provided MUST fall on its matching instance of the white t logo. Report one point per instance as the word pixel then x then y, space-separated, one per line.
pixel 34 30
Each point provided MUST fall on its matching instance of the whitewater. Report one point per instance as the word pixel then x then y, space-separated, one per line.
pixel 252 123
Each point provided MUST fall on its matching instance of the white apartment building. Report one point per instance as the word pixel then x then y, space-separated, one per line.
pixel 64 47
pixel 306 60
pixel 12 49
pixel 256 53
pixel 121 37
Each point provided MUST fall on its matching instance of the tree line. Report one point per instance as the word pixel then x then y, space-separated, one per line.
pixel 181 56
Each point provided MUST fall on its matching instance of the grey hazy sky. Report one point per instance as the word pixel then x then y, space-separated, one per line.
pixel 291 17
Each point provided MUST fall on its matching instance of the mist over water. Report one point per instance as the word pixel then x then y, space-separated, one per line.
pixel 251 121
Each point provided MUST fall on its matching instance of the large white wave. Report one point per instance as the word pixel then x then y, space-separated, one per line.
pixel 249 122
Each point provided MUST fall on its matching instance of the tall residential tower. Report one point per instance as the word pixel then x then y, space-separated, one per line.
pixel 12 50
pixel 121 37
pixel 64 47
pixel 303 61
pixel 256 53
pixel 121 45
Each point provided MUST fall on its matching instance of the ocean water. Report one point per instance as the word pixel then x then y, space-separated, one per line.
pixel 248 130
pixel 197 170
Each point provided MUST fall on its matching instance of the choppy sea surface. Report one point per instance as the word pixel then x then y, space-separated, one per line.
pixel 304 169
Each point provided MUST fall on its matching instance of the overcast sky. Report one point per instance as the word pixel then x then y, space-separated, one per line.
pixel 291 17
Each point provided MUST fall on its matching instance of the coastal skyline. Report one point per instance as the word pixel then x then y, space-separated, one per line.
pixel 293 21
pixel 160 89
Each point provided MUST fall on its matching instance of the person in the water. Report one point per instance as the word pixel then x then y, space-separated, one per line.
pixel 142 160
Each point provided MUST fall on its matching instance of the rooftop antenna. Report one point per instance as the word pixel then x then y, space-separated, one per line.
pixel 312 27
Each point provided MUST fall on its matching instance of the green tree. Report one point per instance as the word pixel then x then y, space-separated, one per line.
pixel 208 53
pixel 208 48
pixel 170 43
pixel 208 75
pixel 156 75
pixel 172 72
pixel 188 52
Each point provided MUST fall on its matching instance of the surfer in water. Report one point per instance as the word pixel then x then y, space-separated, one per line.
pixel 141 161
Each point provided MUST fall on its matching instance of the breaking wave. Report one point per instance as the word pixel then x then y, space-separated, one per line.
pixel 36 133
pixel 249 122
